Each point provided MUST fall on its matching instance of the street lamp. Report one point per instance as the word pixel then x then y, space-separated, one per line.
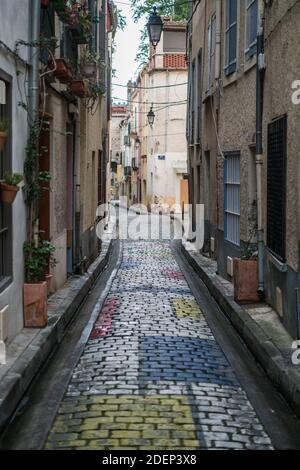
pixel 151 116
pixel 154 27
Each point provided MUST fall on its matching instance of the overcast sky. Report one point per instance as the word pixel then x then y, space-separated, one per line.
pixel 126 48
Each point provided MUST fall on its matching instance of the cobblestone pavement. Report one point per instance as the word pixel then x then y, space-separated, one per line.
pixel 152 375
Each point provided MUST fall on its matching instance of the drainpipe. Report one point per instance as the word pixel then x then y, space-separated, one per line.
pixel 218 39
pixel 33 76
pixel 260 69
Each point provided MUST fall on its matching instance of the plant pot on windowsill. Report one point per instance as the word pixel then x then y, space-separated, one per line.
pixel 8 193
pixel 245 280
pixel 62 72
pixel 9 187
pixel 78 88
pixel 89 70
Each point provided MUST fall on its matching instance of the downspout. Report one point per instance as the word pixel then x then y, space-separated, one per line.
pixel 33 75
pixel 260 70
pixel 33 99
pixel 218 39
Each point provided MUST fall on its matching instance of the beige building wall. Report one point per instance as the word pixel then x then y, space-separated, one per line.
pixel 166 140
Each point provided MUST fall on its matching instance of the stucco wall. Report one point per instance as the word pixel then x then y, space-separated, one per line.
pixel 14 293
pixel 167 136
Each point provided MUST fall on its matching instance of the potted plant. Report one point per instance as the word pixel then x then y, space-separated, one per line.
pixel 4 125
pixel 78 88
pixel 245 275
pixel 62 71
pixel 95 92
pixel 89 63
pixel 38 257
pixel 9 187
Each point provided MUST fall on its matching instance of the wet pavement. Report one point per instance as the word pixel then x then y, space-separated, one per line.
pixel 152 375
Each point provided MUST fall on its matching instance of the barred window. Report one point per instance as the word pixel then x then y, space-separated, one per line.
pixel 276 189
pixel 211 51
pixel 232 197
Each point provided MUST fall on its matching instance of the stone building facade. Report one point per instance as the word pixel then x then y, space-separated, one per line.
pixel 222 131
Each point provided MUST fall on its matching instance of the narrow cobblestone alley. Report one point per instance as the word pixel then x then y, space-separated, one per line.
pixel 152 375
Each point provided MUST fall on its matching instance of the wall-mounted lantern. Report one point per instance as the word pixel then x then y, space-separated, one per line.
pixel 154 27
pixel 151 116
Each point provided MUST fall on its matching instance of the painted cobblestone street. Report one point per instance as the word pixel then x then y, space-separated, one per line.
pixel 152 375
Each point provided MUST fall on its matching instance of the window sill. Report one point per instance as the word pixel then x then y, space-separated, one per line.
pixel 281 266
pixel 249 63
pixel 229 79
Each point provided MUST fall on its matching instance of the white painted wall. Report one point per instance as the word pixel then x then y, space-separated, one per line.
pixel 167 136
pixel 14 24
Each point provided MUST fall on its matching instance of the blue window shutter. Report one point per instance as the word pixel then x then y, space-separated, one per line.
pixel 231 36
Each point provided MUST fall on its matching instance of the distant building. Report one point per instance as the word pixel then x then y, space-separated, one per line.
pixel 118 114
pixel 155 161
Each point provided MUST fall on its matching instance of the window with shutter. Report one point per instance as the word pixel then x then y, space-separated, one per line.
pixel 276 189
pixel 211 52
pixel 199 96
pixel 231 36
pixel 251 27
pixel 193 105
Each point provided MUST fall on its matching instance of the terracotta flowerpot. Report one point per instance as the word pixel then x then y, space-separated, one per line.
pixel 78 88
pixel 35 305
pixel 8 192
pixel 62 72
pixel 3 137
pixel 45 3
pixel 89 70
pixel 245 280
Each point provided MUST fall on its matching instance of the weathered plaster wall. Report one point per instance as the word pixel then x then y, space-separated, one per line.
pixel 13 295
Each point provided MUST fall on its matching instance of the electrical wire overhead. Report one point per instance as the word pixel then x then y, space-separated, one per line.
pixel 151 87
pixel 147 103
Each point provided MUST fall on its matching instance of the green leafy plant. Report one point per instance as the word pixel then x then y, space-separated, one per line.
pixel 34 179
pixel 74 13
pixel 13 179
pixel 250 247
pixel 37 259
pixel 4 124
pixel 88 57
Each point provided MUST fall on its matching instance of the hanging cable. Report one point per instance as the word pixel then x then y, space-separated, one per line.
pixel 150 87
pixel 148 102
